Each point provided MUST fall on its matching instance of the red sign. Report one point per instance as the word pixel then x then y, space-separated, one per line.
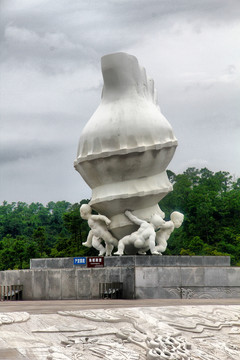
pixel 95 261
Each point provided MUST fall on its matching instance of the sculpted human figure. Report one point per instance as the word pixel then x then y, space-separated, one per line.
pixel 144 238
pixel 98 225
pixel 166 229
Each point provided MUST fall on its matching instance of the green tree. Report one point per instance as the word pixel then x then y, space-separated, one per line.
pixel 39 236
pixel 209 201
pixel 211 206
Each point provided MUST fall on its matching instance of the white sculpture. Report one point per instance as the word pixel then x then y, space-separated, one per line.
pixel 98 225
pixel 126 146
pixel 165 231
pixel 144 238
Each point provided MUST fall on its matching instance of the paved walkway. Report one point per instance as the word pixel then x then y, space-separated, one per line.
pixel 209 331
pixel 52 306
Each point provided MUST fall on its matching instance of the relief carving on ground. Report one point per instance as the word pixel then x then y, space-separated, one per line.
pixel 189 293
pixel 10 318
pixel 148 333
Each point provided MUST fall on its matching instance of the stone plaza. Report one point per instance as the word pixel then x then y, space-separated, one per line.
pixel 187 329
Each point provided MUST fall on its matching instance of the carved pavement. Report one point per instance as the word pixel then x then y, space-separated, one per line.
pixel 153 333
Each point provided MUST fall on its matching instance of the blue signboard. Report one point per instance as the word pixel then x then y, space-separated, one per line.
pixel 79 261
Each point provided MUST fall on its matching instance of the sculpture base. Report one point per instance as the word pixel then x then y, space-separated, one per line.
pixel 143 277
pixel 137 261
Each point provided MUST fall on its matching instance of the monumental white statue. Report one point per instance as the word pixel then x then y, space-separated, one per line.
pixel 124 150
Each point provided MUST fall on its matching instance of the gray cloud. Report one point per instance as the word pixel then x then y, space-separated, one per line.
pixel 51 83
pixel 13 152
pixel 63 35
pixel 32 136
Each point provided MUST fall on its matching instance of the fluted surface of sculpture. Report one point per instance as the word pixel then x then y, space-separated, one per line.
pixel 126 146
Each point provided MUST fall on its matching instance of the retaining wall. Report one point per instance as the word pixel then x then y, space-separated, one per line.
pixel 143 277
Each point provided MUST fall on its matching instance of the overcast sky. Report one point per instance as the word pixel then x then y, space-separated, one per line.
pixel 51 84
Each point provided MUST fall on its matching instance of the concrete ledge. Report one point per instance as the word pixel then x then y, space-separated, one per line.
pixel 143 277
pixel 138 282
pixel 187 282
pixel 136 260
pixel 68 284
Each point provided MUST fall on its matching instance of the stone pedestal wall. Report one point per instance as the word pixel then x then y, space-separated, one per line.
pixel 143 277
pixel 136 260
pixel 187 282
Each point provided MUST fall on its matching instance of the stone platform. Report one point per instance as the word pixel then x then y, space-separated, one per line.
pixel 136 261
pixel 143 277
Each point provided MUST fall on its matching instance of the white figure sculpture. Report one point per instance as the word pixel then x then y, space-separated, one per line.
pixel 98 225
pixel 126 146
pixel 144 238
pixel 165 231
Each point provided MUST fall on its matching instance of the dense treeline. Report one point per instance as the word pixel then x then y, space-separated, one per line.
pixel 210 202
pixel 35 230
pixel 211 205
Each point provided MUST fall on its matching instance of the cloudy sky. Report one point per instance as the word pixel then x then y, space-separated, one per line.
pixel 51 83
